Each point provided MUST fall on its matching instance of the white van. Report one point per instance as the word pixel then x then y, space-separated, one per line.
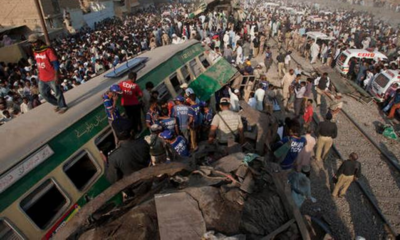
pixel 319 36
pixel 342 64
pixel 382 82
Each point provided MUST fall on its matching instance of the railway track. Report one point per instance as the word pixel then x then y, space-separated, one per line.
pixel 380 183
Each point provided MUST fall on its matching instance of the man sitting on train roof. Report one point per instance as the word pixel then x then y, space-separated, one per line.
pixel 131 155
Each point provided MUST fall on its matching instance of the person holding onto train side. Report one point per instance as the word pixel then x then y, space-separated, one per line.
pixel 327 131
pixel 130 99
pixel 349 171
pixel 130 156
pixel 48 67
pixel 110 99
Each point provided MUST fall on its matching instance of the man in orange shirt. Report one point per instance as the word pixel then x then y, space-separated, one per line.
pixel 130 100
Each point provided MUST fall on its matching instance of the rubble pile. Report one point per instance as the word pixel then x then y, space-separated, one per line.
pixel 234 196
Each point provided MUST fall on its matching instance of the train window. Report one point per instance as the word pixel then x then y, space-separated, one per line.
pixel 204 61
pixel 163 92
pixel 105 142
pixel 45 204
pixel 7 232
pixel 196 69
pixel 175 83
pixel 186 74
pixel 81 170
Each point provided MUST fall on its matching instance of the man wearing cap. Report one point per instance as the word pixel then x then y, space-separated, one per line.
pixel 226 124
pixel 179 143
pixel 327 131
pixel 181 113
pixel 110 99
pixel 158 152
pixel 130 156
pixel 48 66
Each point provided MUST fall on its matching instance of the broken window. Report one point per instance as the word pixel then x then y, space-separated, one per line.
pixel 7 232
pixel 45 204
pixel 186 74
pixel 105 142
pixel 164 94
pixel 175 83
pixel 204 61
pixel 81 170
pixel 196 69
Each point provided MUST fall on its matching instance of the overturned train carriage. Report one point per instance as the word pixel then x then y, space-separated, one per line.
pixel 47 174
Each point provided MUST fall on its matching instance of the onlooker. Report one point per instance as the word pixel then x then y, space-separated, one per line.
pixel 305 155
pixel 321 86
pixel 300 186
pixel 48 67
pixel 349 171
pixel 296 145
pixel 327 131
pixel 308 113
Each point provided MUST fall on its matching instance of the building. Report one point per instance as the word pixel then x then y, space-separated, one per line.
pixel 81 12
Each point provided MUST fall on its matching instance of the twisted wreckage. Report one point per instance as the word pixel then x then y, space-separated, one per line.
pixel 211 195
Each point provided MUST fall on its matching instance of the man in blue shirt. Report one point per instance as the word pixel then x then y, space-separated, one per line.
pixel 181 113
pixel 178 143
pixel 194 120
pixel 110 99
pixel 152 114
pixel 297 144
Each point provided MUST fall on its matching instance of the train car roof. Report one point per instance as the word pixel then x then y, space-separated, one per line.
pixel 25 134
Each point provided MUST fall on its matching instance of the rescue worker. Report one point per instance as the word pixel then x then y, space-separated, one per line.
pixel 179 144
pixel 110 99
pixel 226 124
pixel 181 113
pixel 130 156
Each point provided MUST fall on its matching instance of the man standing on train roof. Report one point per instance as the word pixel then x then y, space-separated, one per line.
pixel 130 156
pixel 130 100
pixel 181 113
pixel 110 99
pixel 48 66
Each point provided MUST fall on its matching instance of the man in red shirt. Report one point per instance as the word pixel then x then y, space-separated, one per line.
pixel 130 100
pixel 48 66
pixel 308 113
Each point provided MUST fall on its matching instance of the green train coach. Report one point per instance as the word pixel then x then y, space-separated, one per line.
pixel 50 164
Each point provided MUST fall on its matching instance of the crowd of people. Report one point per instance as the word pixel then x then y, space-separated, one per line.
pixel 178 126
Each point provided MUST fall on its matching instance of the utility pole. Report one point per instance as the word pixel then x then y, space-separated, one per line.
pixel 42 22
